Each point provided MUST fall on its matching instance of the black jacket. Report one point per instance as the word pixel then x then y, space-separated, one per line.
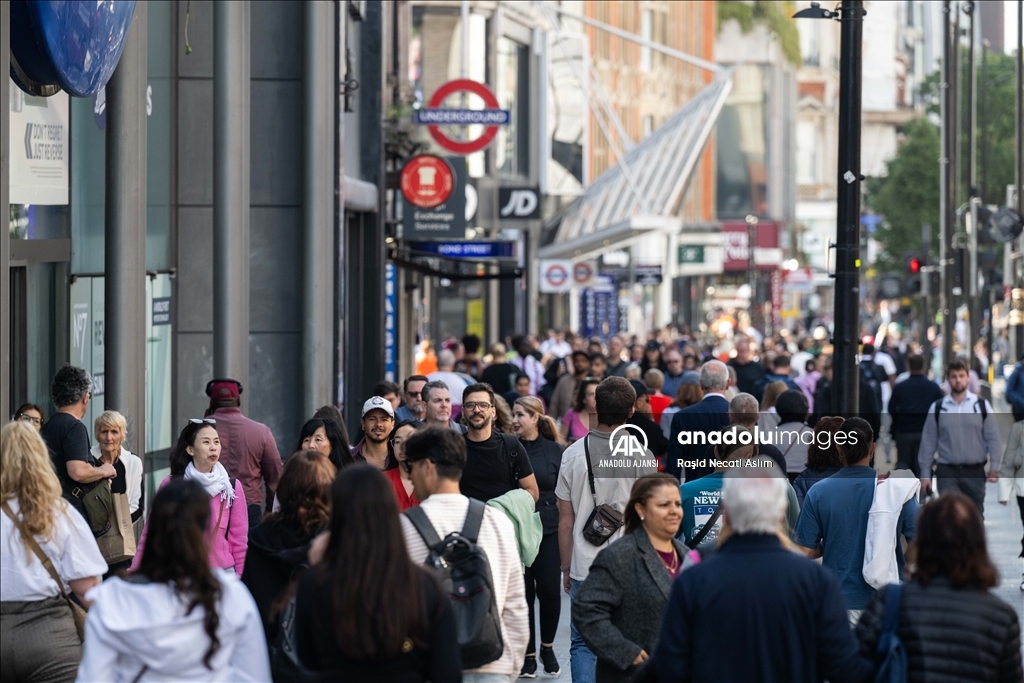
pixel 709 415
pixel 276 549
pixel 546 458
pixel 754 611
pixel 910 403
pixel 870 408
pixel 618 609
pixel 656 441
pixel 949 634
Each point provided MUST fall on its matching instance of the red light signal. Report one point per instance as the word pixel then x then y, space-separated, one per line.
pixel 914 265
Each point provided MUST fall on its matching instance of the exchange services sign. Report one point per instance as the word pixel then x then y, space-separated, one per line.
pixel 441 221
pixel 39 148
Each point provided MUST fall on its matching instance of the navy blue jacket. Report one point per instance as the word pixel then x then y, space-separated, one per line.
pixel 754 611
pixel 910 403
pixel 708 416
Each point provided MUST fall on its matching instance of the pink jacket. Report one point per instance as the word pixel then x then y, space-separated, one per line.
pixel 231 539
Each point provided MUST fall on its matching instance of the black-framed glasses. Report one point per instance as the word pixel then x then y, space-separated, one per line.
pixel 37 421
pixel 202 420
pixel 473 405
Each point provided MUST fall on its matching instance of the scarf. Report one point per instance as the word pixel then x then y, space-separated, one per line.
pixel 215 482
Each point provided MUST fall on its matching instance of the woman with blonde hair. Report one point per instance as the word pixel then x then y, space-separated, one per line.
pixel 111 431
pixel 539 435
pixel 38 631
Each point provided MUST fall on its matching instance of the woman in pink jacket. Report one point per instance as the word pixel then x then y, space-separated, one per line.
pixel 196 457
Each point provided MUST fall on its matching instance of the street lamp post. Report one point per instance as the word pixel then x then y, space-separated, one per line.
pixel 845 395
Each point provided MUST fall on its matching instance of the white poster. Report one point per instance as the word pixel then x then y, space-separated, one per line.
pixel 39 147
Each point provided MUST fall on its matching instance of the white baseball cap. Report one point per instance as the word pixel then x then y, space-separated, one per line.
pixel 377 403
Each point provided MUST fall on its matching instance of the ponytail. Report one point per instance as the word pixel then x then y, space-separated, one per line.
pixel 548 428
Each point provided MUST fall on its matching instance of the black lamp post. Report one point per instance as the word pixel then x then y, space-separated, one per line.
pixel 845 336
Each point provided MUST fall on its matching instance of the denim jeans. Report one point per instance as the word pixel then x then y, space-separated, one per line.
pixel 582 662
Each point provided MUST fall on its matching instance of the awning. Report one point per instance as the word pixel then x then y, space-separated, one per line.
pixel 643 194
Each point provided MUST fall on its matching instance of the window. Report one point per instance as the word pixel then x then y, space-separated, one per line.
pixel 806 153
pixel 511 79
pixel 647 33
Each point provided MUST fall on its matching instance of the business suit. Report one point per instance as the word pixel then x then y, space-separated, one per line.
pixel 710 415
pixel 618 608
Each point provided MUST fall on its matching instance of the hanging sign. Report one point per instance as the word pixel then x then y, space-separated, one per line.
pixel 435 116
pixel 555 276
pixel 427 181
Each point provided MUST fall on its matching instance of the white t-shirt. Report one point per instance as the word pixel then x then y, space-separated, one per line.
pixel 73 552
pixel 885 361
pixel 574 486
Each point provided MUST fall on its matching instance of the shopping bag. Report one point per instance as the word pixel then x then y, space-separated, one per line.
pixel 118 544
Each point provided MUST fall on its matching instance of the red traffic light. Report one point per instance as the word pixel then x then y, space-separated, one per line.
pixel 914 265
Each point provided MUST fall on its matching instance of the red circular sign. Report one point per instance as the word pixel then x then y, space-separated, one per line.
pixel 475 88
pixel 556 275
pixel 427 181
pixel 582 272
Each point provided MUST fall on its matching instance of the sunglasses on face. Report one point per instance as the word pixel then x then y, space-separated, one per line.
pixel 414 394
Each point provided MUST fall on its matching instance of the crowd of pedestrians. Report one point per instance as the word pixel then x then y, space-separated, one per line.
pixel 710 517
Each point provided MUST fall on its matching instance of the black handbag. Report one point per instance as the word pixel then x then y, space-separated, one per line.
pixel 605 520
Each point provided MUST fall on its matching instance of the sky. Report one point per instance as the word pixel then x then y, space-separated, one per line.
pixel 1009 25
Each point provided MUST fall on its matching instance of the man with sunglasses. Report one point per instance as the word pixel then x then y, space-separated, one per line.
pixel 496 463
pixel 674 372
pixel 414 408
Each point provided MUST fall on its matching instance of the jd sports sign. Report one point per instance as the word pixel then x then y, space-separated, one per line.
pixel 518 203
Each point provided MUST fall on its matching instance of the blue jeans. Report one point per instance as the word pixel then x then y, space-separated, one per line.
pixel 582 662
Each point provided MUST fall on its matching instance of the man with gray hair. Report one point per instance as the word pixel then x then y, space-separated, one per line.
pixel 446 373
pixel 743 411
pixel 710 415
pixel 67 438
pixel 789 606
pixel 438 408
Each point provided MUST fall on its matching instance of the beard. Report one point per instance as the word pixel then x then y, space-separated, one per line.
pixel 479 423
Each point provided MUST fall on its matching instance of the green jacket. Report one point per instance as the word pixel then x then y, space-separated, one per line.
pixel 519 506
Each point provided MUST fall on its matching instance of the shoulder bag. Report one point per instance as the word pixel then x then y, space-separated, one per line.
pixel 77 612
pixel 605 520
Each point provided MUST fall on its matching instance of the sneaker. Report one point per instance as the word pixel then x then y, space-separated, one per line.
pixel 529 667
pixel 547 655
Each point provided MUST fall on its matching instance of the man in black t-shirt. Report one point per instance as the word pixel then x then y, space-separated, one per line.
pixel 749 372
pixel 67 438
pixel 496 463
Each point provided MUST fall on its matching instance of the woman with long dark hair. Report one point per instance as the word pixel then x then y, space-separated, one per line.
pixel 952 626
pixel 326 436
pixel 399 476
pixel 539 435
pixel 196 457
pixel 366 612
pixel 576 421
pixel 822 461
pixel 278 545
pixel 175 618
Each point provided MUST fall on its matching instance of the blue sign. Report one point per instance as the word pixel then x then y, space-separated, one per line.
pixel 390 326
pixel 468 250
pixel 73 45
pixel 599 312
pixel 464 117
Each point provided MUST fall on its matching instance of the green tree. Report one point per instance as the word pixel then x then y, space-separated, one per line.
pixel 776 16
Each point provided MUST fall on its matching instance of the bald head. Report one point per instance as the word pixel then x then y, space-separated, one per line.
pixel 714 376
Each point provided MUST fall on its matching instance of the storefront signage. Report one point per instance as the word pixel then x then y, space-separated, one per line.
pixel 691 253
pixel 519 203
pixel 435 116
pixel 736 245
pixel 427 181
pixel 441 221
pixel 161 310
pixel 479 249
pixel 39 148
pixel 648 275
pixel 390 329
pixel 599 314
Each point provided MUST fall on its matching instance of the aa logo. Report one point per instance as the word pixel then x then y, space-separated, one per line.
pixel 628 441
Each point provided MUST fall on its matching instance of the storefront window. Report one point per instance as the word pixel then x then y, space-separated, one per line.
pixel 742 177
pixel 511 147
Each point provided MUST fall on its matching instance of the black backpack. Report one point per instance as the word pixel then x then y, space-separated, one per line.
pixel 872 376
pixel 465 576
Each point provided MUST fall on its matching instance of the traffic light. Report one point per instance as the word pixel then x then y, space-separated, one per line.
pixel 912 263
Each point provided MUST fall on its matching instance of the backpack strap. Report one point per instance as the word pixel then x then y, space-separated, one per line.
pixel 422 524
pixel 982 408
pixel 474 517
pixel 937 407
pixel 512 451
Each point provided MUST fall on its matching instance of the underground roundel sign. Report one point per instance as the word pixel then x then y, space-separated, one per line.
pixel 427 181
pixel 436 115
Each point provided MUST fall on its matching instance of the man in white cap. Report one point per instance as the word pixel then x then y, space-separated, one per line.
pixel 378 420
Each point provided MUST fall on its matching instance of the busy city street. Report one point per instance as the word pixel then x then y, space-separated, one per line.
pixel 484 341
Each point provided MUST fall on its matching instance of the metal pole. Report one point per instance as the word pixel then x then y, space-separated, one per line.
pixel 6 409
pixel 1018 264
pixel 946 225
pixel 124 355
pixel 845 394
pixel 231 20
pixel 318 207
pixel 971 286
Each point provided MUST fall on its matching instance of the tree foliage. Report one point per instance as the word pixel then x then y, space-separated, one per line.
pixel 776 16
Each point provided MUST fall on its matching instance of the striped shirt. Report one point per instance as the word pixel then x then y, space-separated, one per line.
pixel 447 512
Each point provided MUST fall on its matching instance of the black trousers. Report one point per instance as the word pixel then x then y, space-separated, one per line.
pixel 543 582
pixel 907 446
pixel 969 481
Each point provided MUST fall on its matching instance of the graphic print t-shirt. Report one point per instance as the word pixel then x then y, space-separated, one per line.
pixel 700 500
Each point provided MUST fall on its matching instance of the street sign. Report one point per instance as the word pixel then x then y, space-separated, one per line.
pixel 554 276
pixel 477 249
pixel 443 221
pixel 521 203
pixel 690 253
pixel 427 181
pixel 434 116
pixel 647 275
pixel 800 280
pixel 390 323
pixel 583 273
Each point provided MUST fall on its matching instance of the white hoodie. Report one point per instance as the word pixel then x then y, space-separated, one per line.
pixel 880 567
pixel 133 625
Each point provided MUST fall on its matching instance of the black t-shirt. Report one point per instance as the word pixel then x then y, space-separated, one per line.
pixel 67 440
pixel 500 376
pixel 490 470
pixel 748 375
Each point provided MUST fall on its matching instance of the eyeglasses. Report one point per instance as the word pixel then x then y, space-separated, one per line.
pixel 37 421
pixel 474 405
pixel 415 394
pixel 202 420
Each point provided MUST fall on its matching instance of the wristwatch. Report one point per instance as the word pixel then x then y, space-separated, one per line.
pixel 563 569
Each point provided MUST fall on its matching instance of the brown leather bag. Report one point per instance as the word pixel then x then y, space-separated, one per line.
pixel 605 520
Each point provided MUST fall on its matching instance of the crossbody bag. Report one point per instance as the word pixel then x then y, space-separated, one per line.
pixel 605 520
